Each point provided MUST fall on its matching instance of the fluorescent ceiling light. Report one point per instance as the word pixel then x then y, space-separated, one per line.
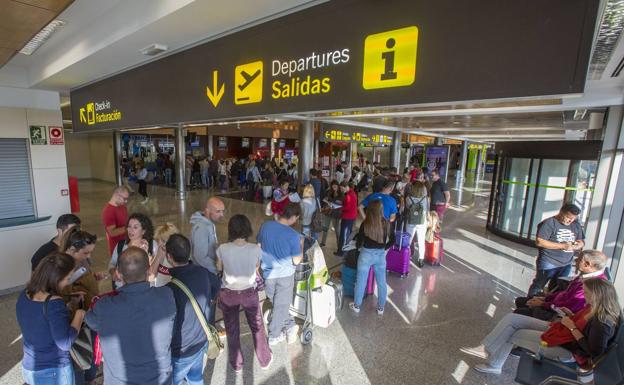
pixel 41 37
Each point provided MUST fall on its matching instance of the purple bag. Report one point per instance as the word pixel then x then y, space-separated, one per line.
pixel 402 238
pixel 370 283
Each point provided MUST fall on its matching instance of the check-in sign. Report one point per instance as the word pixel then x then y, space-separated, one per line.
pixel 248 83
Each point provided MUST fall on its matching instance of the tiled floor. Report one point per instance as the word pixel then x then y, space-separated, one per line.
pixel 430 315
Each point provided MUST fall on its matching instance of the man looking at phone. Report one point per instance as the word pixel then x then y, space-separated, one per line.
pixel 589 264
pixel 558 238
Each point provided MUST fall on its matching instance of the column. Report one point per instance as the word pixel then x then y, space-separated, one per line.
pixel 460 177
pixel 180 151
pixel 118 151
pixel 306 138
pixel 316 162
pixel 210 145
pixel 395 151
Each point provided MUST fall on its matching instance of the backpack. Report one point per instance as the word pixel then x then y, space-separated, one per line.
pixel 416 212
pixel 316 226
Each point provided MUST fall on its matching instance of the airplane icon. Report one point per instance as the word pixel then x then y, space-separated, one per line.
pixel 248 79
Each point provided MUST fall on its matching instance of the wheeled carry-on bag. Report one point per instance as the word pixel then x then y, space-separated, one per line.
pixel 370 283
pixel 434 251
pixel 398 257
pixel 324 305
pixel 348 281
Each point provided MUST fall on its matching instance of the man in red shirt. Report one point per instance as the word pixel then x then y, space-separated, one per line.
pixel 115 217
pixel 349 214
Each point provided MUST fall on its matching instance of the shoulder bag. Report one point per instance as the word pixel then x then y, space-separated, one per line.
pixel 215 346
pixel 81 350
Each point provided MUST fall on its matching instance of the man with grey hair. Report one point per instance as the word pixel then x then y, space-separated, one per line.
pixel 589 264
pixel 135 326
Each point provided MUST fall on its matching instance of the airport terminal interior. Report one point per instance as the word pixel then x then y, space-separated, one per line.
pixel 515 107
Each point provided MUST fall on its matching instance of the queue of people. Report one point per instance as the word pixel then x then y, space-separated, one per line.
pixel 160 277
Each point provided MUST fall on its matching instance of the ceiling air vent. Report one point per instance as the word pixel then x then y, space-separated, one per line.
pixel 618 69
pixel 153 49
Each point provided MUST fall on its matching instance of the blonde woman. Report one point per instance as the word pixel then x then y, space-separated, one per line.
pixel 416 209
pixel 308 208
pixel 592 330
pixel 159 265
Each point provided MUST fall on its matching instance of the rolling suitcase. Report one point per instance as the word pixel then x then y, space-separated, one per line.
pixel 348 280
pixel 370 283
pixel 399 255
pixel 338 291
pixel 434 251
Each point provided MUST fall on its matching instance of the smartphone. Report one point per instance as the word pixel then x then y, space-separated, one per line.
pixel 77 274
pixel 559 312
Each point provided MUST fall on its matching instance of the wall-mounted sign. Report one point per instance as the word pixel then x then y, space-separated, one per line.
pixel 38 135
pixel 222 142
pixel 245 142
pixel 56 135
pixel 368 53
pixel 262 143
pixel 421 139
pixel 282 143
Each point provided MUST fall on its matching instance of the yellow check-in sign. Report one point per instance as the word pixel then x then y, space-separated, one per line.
pixel 248 83
pixel 390 58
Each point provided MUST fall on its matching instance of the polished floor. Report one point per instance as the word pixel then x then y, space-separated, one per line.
pixel 429 316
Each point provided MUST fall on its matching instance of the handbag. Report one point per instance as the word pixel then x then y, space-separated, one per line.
pixel 215 346
pixel 316 225
pixel 81 350
pixel 558 334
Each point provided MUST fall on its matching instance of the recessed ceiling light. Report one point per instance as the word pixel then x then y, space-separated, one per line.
pixel 41 37
pixel 153 49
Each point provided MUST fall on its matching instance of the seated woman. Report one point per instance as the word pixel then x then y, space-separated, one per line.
pixel 589 336
pixel 47 328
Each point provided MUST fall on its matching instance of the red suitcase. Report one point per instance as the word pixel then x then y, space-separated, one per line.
pixel 370 283
pixel 434 251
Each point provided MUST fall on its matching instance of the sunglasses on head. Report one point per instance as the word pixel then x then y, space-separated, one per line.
pixel 83 241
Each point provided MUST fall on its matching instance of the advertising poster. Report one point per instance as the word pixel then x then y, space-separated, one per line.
pixel 262 143
pixel 436 158
pixel 245 142
pixel 38 135
pixel 222 142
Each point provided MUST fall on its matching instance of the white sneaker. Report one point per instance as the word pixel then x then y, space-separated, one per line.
pixel 276 340
pixel 474 352
pixel 485 368
pixel 380 311
pixel 291 336
pixel 353 307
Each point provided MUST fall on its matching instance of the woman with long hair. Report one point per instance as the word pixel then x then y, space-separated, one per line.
pixel 140 232
pixel 332 212
pixel 47 329
pixel 159 266
pixel 308 208
pixel 239 260
pixel 583 336
pixel 373 240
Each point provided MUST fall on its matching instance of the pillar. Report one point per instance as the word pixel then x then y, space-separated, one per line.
pixel 210 146
pixel 460 177
pixel 306 138
pixel 118 151
pixel 316 162
pixel 395 151
pixel 179 161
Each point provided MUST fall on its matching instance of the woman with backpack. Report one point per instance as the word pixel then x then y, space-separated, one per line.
pixel 415 215
pixel 373 240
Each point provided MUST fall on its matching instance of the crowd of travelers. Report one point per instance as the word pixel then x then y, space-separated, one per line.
pixel 154 326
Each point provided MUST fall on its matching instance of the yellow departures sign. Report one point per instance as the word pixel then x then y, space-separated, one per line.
pixel 390 58
pixel 217 92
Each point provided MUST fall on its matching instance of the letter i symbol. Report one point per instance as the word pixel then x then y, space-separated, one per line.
pixel 388 58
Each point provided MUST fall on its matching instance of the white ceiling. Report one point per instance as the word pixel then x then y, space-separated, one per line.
pixel 104 37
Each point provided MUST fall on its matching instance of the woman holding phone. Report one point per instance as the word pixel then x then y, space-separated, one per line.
pixel 47 329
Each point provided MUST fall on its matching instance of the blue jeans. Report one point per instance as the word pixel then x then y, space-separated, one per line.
pixel 307 231
pixel 377 259
pixel 189 368
pixel 168 180
pixel 346 226
pixel 542 276
pixel 51 376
